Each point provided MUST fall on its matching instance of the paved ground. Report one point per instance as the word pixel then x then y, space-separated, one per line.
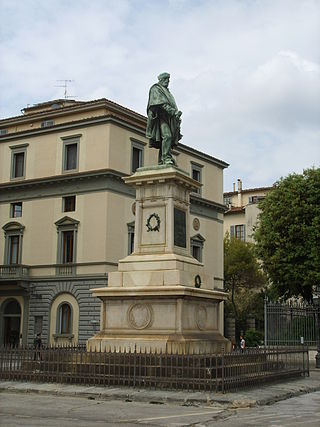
pixel 267 394
pixel 37 404
pixel 18 410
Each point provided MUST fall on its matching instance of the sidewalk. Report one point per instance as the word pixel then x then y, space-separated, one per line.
pixel 263 395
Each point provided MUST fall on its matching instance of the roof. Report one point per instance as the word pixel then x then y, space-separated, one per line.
pixel 235 209
pixel 75 105
pixel 247 190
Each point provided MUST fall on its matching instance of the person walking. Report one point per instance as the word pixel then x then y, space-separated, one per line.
pixel 242 344
pixel 37 344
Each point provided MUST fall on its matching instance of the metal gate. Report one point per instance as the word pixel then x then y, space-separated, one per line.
pixel 291 324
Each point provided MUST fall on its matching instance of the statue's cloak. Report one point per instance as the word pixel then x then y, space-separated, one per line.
pixel 161 108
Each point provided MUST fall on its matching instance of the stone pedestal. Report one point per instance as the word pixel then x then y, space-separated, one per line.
pixel 160 298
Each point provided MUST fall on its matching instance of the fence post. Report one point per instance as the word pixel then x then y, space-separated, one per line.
pixel 222 372
pixel 265 322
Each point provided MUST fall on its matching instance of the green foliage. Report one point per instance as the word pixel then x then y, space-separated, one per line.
pixel 288 234
pixel 244 280
pixel 253 338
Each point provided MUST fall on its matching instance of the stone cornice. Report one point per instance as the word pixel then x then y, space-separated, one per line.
pixel 196 200
pixel 104 119
pixel 88 182
pixel 159 292
pixel 202 156
pixel 49 180
pixel 73 109
pixel 60 185
pixel 99 120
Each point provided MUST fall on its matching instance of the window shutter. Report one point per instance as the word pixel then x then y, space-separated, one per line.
pixel 231 231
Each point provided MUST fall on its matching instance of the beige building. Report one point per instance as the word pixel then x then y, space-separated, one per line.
pixel 242 213
pixel 67 217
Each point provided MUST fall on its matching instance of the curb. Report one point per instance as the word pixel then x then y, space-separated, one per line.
pixel 246 399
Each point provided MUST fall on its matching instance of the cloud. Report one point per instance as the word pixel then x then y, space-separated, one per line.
pixel 245 73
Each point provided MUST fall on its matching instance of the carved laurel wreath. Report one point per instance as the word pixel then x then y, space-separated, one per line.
pixel 155 227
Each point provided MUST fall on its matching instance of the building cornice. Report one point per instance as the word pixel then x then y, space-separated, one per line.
pixel 117 114
pixel 202 156
pixel 66 184
pixel 208 203
pixel 99 120
pixel 79 106
pixel 88 182
pixel 248 190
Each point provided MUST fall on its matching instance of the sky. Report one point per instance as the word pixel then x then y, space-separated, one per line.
pixel 245 73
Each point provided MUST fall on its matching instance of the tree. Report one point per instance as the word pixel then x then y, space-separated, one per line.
pixel 243 280
pixel 288 234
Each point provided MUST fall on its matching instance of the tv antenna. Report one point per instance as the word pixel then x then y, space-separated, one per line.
pixel 65 86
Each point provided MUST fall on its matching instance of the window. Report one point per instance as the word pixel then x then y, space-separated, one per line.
pixel 70 153
pixel 38 322
pixel 64 316
pixel 238 232
pixel 70 157
pixel 3 131
pixel 67 244
pixel 16 210
pixel 69 203
pixel 13 232
pixel 130 237
pixel 47 123
pixel 196 245
pixel 196 252
pixel 67 247
pixel 196 172
pixel 18 161
pixel 228 201
pixel 18 165
pixel 255 199
pixel 136 155
pixel 13 250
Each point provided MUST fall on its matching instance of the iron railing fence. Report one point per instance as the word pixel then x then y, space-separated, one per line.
pixel 160 370
pixel 291 324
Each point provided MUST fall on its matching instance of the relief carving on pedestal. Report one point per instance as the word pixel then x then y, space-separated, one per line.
pixel 200 315
pixel 140 316
pixel 153 222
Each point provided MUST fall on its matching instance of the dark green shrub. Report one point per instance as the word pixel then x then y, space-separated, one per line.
pixel 253 338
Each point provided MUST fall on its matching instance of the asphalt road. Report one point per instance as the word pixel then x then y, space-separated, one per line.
pixel 52 411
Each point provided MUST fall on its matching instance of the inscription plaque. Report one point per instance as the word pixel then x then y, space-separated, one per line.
pixel 180 238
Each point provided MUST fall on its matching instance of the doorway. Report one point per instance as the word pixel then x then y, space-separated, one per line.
pixel 11 321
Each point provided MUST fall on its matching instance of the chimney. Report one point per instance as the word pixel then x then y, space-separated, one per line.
pixel 239 192
pixel 234 187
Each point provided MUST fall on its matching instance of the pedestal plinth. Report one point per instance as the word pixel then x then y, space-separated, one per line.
pixel 161 297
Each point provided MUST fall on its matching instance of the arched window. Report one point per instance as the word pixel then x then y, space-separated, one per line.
pixel 64 317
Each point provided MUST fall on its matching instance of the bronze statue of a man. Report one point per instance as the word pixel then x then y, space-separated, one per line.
pixel 163 125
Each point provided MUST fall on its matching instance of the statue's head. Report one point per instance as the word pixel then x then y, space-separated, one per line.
pixel 164 79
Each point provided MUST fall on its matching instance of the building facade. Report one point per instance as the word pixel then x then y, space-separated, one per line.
pixel 67 217
pixel 242 214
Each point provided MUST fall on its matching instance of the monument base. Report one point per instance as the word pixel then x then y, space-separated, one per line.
pixel 173 319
